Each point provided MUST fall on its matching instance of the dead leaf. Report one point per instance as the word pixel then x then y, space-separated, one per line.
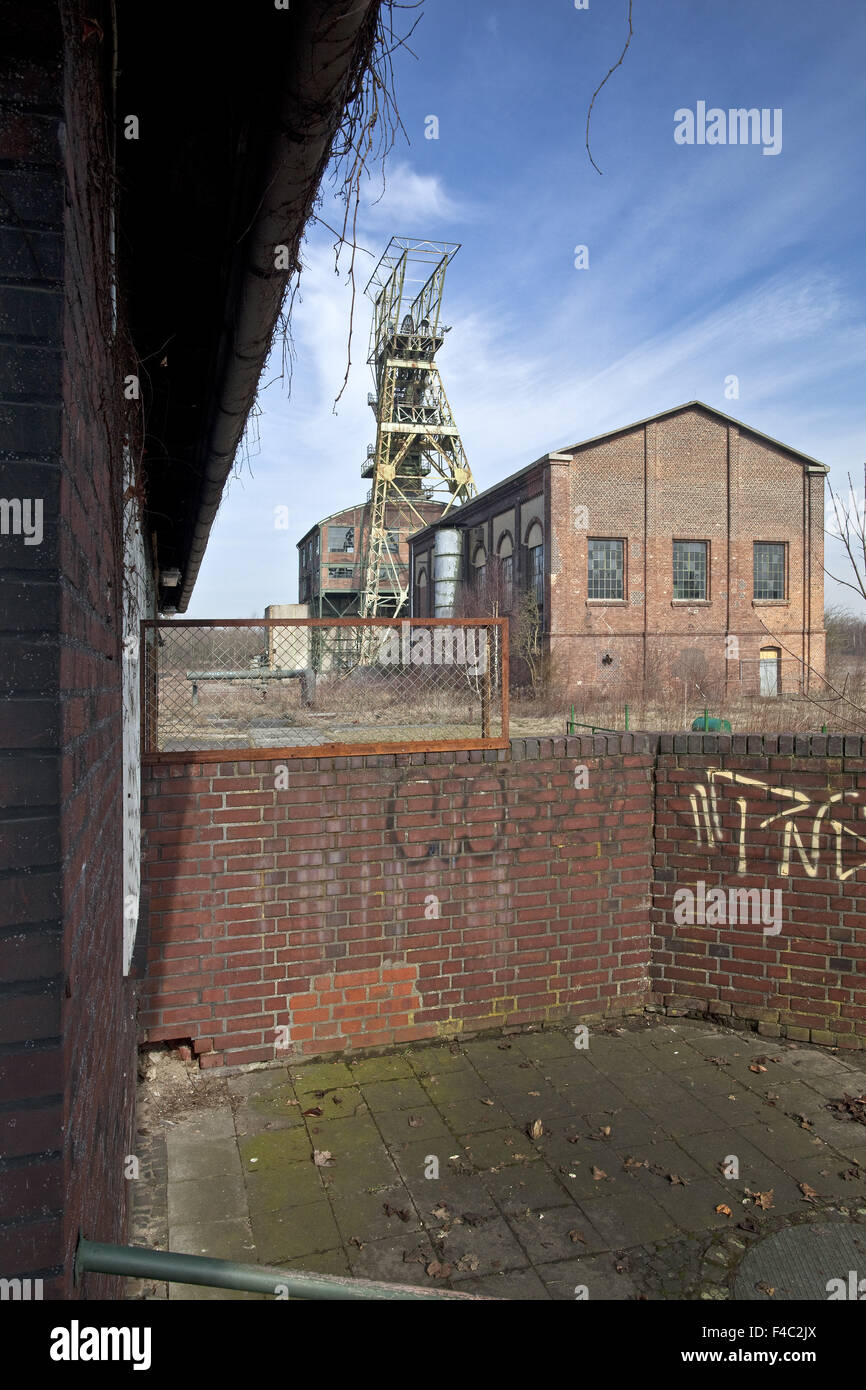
pixel 722 1210
pixel 395 1211
pixel 632 1162
pixel 766 1288
pixel 533 1093
pixel 314 1110
pixel 322 1158
pixel 598 1173
pixel 415 1121
pixel 535 1130
pixel 849 1108
pixel 469 1262
pixel 809 1193
pixel 576 1236
pixel 442 1213
pixel 338 1100
pixel 764 1200
pixel 756 1067
pixel 436 1270
pixel 485 1101
pixel 573 1138
pixel 353 1240
pixel 676 1181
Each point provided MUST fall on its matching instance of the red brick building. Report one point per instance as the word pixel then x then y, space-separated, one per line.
pixel 687 547
pixel 331 559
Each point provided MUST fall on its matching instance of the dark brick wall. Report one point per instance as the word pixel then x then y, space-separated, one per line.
pixel 67 1061
pixel 376 900
pixel 311 906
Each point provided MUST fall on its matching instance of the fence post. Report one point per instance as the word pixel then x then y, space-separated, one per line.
pixel 485 691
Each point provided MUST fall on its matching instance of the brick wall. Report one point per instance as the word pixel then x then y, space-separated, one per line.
pixel 780 815
pixel 364 902
pixel 67 1059
pixel 376 900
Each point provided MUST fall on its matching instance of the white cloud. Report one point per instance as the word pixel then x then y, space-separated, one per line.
pixel 410 203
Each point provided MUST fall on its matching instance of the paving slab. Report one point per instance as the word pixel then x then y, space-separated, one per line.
pixel 295 1231
pixel 374 1215
pixel 432 1164
pixel 401 1093
pixel 284 1185
pixel 194 1200
pixel 192 1157
pixel 485 1247
pixel 589 1279
pixel 368 1069
pixel 520 1187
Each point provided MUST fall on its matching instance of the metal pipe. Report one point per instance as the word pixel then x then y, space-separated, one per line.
pixel 139 1262
pixel 447 559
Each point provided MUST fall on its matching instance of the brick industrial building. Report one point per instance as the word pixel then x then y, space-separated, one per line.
pixel 687 547
pixel 331 564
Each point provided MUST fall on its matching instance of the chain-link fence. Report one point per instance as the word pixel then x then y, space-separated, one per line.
pixel 302 686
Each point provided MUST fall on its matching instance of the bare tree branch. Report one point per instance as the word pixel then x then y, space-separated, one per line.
pixel 601 84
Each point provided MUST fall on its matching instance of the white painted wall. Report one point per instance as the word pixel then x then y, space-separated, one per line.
pixel 136 588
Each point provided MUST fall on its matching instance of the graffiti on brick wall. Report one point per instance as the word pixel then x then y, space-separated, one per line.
pixel 810 824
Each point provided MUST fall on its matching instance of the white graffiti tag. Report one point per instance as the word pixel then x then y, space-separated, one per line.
pixel 708 825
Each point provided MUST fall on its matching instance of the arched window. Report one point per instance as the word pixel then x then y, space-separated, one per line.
pixel 422 598
pixel 535 549
pixel 506 570
pixel 479 563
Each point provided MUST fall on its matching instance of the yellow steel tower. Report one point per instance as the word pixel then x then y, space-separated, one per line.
pixel 418 455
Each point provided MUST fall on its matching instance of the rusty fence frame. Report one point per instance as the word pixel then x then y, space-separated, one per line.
pixel 150 754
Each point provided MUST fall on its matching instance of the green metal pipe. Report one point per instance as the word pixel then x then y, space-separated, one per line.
pixel 139 1262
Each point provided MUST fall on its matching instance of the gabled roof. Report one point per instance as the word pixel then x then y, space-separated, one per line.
pixel 694 405
pixel 505 483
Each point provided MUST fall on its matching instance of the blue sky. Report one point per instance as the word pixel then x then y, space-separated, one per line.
pixel 705 261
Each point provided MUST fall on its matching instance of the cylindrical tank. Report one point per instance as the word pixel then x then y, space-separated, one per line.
pixel 447 557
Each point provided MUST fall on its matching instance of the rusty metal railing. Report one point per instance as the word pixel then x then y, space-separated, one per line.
pixel 299 687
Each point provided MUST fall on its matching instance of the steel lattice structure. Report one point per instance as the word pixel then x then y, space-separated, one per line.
pixel 418 456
